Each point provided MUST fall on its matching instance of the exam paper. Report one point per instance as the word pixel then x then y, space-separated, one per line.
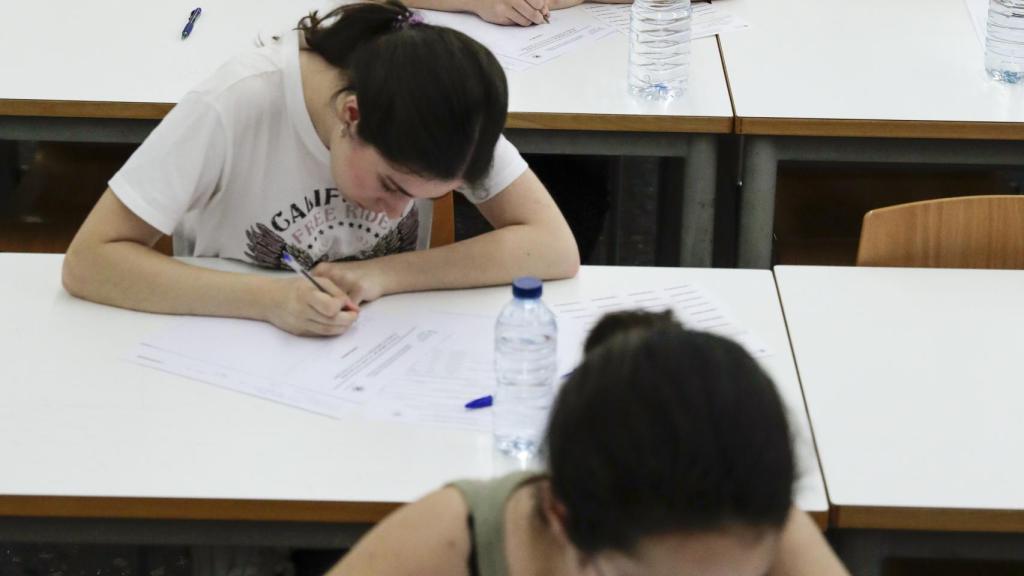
pixel 419 368
pixel 518 47
pixel 707 19
pixel 693 306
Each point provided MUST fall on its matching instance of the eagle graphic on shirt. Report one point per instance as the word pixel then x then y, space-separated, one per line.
pixel 326 227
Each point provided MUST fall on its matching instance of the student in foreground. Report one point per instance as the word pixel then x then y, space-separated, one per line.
pixel 668 454
pixel 329 145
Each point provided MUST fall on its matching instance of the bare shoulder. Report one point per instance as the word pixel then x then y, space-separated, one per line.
pixel 429 536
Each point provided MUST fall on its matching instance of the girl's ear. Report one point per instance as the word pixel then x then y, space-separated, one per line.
pixel 554 511
pixel 557 517
pixel 347 108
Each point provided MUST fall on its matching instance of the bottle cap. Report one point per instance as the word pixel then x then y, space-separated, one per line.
pixel 527 287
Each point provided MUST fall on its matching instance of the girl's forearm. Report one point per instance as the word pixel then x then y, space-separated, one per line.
pixel 130 275
pixel 445 5
pixel 494 258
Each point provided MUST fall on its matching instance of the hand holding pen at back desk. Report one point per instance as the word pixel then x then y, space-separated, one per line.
pixel 514 12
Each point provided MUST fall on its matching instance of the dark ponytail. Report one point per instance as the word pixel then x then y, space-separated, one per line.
pixel 431 99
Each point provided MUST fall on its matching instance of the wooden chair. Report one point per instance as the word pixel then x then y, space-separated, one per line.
pixel 967 232
pixel 442 228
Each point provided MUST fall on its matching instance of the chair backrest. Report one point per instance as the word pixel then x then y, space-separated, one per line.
pixel 967 232
pixel 442 228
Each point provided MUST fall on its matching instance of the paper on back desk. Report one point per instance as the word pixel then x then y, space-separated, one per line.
pixel 707 19
pixel 519 47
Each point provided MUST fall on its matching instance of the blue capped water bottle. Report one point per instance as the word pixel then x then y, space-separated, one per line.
pixel 526 362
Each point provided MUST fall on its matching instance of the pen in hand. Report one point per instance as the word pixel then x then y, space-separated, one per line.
pixel 294 265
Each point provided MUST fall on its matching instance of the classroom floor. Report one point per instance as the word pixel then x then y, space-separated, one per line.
pixel 818 215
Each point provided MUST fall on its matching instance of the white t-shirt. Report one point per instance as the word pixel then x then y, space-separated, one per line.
pixel 236 170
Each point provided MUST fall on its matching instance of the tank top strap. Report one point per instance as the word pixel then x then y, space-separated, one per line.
pixel 486 502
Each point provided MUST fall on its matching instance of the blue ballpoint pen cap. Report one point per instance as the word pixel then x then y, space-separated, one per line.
pixel 482 402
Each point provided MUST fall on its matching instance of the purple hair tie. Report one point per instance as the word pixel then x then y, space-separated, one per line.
pixel 407 19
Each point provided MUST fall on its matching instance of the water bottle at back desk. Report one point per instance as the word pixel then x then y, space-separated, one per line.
pixel 659 48
pixel 1004 40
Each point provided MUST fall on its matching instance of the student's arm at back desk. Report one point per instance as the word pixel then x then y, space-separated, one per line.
pixel 504 12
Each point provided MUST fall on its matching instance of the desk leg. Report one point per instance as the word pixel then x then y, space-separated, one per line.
pixel 8 174
pixel 698 219
pixel 698 152
pixel 757 202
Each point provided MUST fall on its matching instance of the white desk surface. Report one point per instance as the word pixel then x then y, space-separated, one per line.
pixel 865 68
pixel 913 382
pixel 123 59
pixel 90 433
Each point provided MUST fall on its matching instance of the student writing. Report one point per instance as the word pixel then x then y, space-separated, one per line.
pixel 329 143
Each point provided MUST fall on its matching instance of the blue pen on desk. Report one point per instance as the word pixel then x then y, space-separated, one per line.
pixel 486 401
pixel 192 17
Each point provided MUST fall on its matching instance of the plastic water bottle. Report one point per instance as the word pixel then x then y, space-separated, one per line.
pixel 1004 40
pixel 659 48
pixel 525 361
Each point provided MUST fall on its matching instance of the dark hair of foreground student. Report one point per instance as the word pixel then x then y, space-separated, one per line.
pixel 663 430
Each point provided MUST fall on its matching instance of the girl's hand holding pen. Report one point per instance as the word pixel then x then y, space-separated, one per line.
pixel 361 280
pixel 298 306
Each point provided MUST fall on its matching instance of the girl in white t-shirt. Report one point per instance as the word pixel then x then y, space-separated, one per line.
pixel 327 144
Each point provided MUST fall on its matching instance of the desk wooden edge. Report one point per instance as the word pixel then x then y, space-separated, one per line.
pixel 194 509
pixel 215 509
pixel 880 128
pixel 85 109
pixel 620 122
pixel 821 518
pixel 540 121
pixel 928 519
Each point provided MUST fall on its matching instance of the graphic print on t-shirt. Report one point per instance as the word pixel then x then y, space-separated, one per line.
pixel 325 227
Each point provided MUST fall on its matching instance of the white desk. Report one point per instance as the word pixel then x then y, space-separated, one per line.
pixel 112 450
pixel 108 70
pixel 912 379
pixel 864 81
